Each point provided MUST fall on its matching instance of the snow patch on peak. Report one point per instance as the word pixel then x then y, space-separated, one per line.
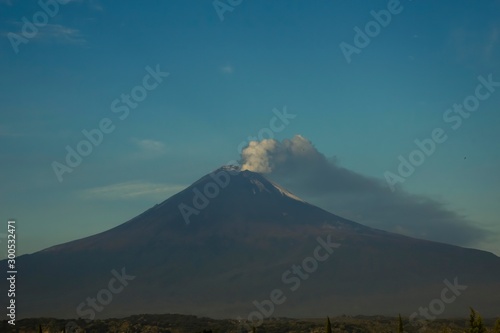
pixel 286 192
pixel 230 167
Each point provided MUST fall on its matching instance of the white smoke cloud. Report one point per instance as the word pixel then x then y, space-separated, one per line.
pixel 266 155
pixel 257 156
pixel 299 166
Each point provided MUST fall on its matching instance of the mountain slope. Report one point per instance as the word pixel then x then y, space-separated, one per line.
pixel 232 238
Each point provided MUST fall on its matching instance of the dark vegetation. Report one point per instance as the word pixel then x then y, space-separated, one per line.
pixel 173 323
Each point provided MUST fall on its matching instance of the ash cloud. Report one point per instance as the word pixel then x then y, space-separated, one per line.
pixel 298 165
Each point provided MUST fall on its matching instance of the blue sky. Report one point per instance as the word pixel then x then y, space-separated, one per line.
pixel 225 78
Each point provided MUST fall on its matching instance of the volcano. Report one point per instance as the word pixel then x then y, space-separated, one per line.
pixel 235 244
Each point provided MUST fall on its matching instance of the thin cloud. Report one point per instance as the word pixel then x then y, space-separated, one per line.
pixel 228 69
pixel 477 48
pixel 95 5
pixel 61 34
pixel 4 132
pixel 298 165
pixel 55 33
pixel 491 44
pixel 132 190
pixel 148 148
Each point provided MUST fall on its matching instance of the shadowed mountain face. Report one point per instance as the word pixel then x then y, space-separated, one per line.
pixel 233 244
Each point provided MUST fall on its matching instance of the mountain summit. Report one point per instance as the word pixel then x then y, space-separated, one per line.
pixel 236 244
